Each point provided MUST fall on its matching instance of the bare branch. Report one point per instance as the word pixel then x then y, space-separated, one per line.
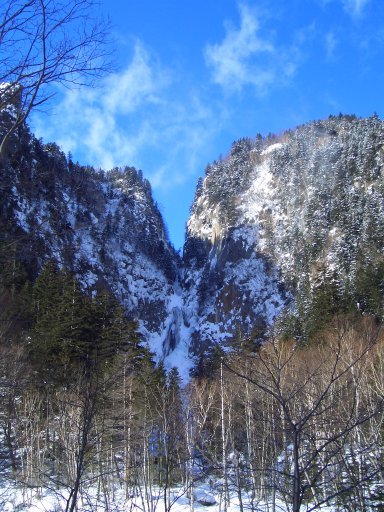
pixel 44 43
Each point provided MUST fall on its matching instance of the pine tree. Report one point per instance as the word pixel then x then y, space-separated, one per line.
pixel 45 346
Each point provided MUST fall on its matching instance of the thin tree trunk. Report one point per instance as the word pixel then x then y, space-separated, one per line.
pixel 223 442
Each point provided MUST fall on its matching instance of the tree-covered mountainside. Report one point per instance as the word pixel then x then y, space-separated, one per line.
pixel 289 227
pixel 103 227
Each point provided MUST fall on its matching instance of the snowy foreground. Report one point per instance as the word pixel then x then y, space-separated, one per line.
pixel 43 500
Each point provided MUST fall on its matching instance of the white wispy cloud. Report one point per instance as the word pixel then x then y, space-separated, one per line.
pixel 247 58
pixel 354 7
pixel 330 45
pixel 132 118
pixel 87 119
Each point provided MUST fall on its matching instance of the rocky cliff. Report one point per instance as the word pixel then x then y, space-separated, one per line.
pixel 284 223
pixel 104 227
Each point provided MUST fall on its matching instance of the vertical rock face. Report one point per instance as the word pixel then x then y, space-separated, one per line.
pixel 279 220
pixel 233 288
pixel 276 226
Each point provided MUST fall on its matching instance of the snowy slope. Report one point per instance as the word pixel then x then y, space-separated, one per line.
pixel 233 289
pixel 278 218
pixel 104 227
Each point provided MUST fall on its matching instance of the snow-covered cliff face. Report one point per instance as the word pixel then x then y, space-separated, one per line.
pixel 278 217
pixel 104 227
pixel 233 288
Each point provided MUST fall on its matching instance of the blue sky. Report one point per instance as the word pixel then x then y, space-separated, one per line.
pixel 192 76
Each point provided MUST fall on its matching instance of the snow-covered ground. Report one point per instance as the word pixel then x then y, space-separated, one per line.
pixel 14 499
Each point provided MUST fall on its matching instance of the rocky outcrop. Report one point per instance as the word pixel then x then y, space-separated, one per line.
pixel 104 227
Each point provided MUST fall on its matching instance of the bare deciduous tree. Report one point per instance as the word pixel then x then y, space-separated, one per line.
pixel 45 43
pixel 321 414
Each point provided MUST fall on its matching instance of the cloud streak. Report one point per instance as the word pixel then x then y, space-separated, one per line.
pixel 355 7
pixel 133 118
pixel 330 46
pixel 246 58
